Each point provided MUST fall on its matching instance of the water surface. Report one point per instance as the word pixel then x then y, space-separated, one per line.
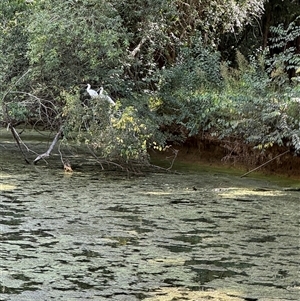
pixel 93 235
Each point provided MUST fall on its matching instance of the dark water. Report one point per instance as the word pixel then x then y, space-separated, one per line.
pixel 97 236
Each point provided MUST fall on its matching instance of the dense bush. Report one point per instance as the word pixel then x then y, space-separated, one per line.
pixel 262 114
pixel 121 133
pixel 161 62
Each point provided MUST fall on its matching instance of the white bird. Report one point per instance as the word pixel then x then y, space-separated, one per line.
pixel 106 97
pixel 91 92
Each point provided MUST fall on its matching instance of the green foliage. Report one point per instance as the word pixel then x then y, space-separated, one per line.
pixel 188 92
pixel 213 18
pixel 260 114
pixel 93 33
pixel 159 61
pixel 249 78
pixel 286 57
pixel 244 104
pixel 17 111
pixel 121 134
pixel 13 40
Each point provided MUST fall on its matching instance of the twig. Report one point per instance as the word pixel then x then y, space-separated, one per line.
pixel 95 156
pixel 65 163
pixel 104 161
pixel 165 169
pixel 61 156
pixel 265 163
pixel 175 151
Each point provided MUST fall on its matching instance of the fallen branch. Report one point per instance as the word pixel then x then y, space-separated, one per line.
pixel 104 161
pixel 47 153
pixel 247 173
pixel 19 141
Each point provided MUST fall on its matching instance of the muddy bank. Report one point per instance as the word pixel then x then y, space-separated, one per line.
pixel 195 154
pixel 233 155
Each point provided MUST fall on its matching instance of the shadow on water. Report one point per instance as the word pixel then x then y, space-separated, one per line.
pixel 98 236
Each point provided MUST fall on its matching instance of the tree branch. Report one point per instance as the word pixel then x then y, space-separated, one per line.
pixel 19 141
pixel 137 48
pixel 47 153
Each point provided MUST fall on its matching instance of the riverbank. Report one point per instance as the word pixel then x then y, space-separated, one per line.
pixel 236 158
pixel 195 155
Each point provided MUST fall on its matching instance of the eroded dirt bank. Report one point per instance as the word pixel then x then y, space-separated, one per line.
pixel 235 155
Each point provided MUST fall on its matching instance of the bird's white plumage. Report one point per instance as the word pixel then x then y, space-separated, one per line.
pixel 106 97
pixel 91 92
pixel 94 94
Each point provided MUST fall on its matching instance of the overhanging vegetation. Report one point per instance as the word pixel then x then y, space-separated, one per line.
pixel 175 69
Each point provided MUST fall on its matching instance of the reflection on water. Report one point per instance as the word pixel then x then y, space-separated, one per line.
pixel 93 236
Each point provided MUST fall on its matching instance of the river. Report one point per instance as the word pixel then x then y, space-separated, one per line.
pixel 95 235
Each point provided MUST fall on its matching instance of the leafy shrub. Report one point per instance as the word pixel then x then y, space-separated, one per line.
pixel 188 92
pixel 121 134
pixel 285 57
pixel 261 114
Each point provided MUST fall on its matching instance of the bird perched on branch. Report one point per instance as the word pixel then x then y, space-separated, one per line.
pixel 106 97
pixel 94 94
pixel 91 92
